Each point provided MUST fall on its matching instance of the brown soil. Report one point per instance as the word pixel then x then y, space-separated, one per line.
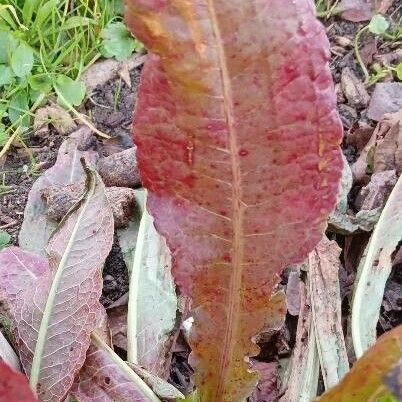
pixel 110 108
pixel 18 177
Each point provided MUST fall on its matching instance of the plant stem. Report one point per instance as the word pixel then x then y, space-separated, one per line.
pixel 82 118
pixel 329 12
pixel 8 143
pixel 358 55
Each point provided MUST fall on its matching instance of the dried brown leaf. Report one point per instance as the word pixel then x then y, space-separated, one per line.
pixel 105 70
pixel 302 379
pixel 267 389
pixel 353 88
pixel 118 325
pixel 388 150
pixel 37 227
pixel 356 10
pixel 53 115
pixel 324 265
pixel 375 194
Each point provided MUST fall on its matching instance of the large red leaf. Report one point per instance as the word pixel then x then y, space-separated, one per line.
pixel 237 137
pixel 14 386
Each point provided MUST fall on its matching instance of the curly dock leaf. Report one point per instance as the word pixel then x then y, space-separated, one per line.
pixel 374 272
pixel 54 316
pixel 238 145
pixel 76 252
pixel 104 376
pixel 152 299
pixel 107 378
pixel 367 380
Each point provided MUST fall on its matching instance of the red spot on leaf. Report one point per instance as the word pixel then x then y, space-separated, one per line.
pixel 227 258
pixel 188 180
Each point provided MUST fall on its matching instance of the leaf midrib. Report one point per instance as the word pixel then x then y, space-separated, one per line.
pixel 231 326
pixel 44 325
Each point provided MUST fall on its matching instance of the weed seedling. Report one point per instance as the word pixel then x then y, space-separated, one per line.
pixel 377 26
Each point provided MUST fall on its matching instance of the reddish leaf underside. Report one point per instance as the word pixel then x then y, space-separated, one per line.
pixel 14 386
pixel 77 251
pixel 101 380
pixel 238 145
pixel 27 282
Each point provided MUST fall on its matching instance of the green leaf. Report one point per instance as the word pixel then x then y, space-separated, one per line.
pixel 4 239
pixel 3 135
pixel 34 95
pixel 70 92
pixel 18 107
pixel 6 75
pixel 3 111
pixel 378 24
pixel 9 15
pixel 78 21
pixel 193 397
pixel 30 6
pixel 4 39
pixel 22 60
pixel 41 83
pixel 117 41
pixel 113 7
pixel 44 11
pixel 7 44
pixel 399 71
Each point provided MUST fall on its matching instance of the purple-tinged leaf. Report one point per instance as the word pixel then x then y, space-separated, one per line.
pixel 266 390
pixel 106 378
pixel 55 307
pixel 356 10
pixel 26 272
